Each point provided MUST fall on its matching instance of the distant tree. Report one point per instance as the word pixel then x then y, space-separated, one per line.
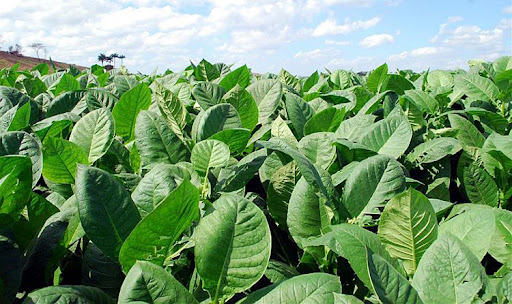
pixel 114 56
pixel 109 59
pixel 15 49
pixel 101 58
pixel 37 47
pixel 122 57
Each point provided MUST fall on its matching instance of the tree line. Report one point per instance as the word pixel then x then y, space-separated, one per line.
pixel 110 58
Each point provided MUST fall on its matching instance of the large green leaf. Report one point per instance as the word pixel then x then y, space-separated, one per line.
pixel 236 139
pixel 107 212
pixel 351 242
pixel 306 288
pixel 149 283
pixel 154 187
pixel 172 110
pixel 154 238
pixel 433 150
pixel 236 177
pixel 305 211
pixel 68 294
pixel 440 78
pixel 127 109
pixel 396 83
pixel 215 119
pixel 407 227
pixel 318 148
pixel 67 83
pixel 448 273
pixel 24 144
pixel 279 191
pixel 501 241
pixel 240 76
pixel 423 101
pixel 94 133
pixel 100 271
pixel 209 154
pixel 60 159
pixel 65 102
pixel 327 120
pixel 376 77
pixel 468 134
pixel 355 127
pixel 206 71
pixel 473 227
pixel 156 142
pixel 232 247
pixel 476 87
pixel 389 285
pixel 299 112
pixel 208 94
pixel 267 95
pixel 371 183
pixel 390 136
pixel 244 105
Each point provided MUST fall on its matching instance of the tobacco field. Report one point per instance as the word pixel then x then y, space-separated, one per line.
pixel 218 185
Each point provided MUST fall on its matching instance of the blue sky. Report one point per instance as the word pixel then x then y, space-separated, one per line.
pixel 299 35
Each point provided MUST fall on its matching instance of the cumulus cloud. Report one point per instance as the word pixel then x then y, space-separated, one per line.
pixel 507 10
pixel 376 40
pixel 331 27
pixel 336 42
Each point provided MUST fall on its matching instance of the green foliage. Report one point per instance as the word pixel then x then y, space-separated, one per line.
pixel 217 185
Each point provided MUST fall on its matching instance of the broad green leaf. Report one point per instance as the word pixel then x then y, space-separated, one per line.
pixel 232 247
pixel 149 283
pixel 94 133
pixel 389 285
pixel 280 129
pixel 476 87
pixel 423 101
pixel 310 81
pixel 504 289
pixel 396 83
pixel 279 191
pixel 327 120
pixel 155 236
pixel 440 78
pixel 448 273
pixel 304 217
pixel 407 227
pixel 67 83
pixel 473 227
pixel 372 182
pixel 100 271
pixel 299 112
pixel 306 288
pixel 127 109
pixel 318 149
pixel 390 136
pixel 24 144
pixel 267 95
pixel 244 105
pixel 236 139
pixel 154 187
pixel 433 150
pixel 240 76
pixel 65 102
pixel 340 79
pixel 306 167
pixel 156 142
pixel 208 94
pixel 350 151
pixel 351 242
pixel 106 219
pixel 279 271
pixel 376 77
pixel 355 127
pixel 346 299
pixel 468 135
pixel 100 98
pixel 501 241
pixel 236 177
pixel 209 154
pixel 215 119
pixel 60 160
pixel 206 71
pixel 479 186
pixel 68 294
pixel 124 83
pixel 172 110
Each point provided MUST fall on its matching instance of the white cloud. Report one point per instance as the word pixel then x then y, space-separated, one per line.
pixel 429 50
pixel 340 43
pixel 454 19
pixel 376 40
pixel 507 10
pixel 331 27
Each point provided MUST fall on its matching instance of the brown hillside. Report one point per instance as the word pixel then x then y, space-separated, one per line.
pixel 7 60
